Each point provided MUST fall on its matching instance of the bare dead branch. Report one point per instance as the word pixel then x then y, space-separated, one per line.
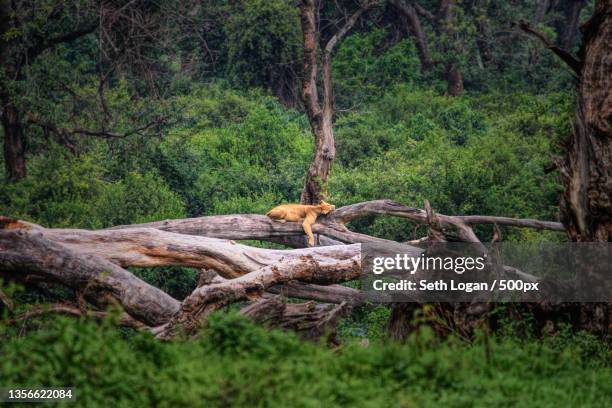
pixel 149 247
pixel 423 12
pixel 112 135
pixel 327 294
pixel 206 299
pixel 125 319
pixel 565 56
pixel 408 10
pixel 393 208
pixel 6 301
pixel 310 320
pixel 25 253
pixel 65 135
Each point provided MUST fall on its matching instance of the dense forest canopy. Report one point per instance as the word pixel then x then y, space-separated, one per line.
pixel 189 98
pixel 124 114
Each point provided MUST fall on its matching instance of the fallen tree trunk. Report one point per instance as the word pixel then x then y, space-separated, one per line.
pixel 25 254
pixel 260 227
pixel 393 208
pixel 150 247
pixel 90 262
pixel 207 299
pixel 255 227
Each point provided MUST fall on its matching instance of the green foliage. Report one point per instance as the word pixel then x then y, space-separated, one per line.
pixel 362 71
pixel 469 155
pixel 137 199
pixel 237 364
pixel 59 192
pixel 369 321
pixel 64 191
pixel 176 281
pixel 263 41
pixel 254 156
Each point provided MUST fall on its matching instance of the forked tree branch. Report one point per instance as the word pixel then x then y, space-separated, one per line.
pixel 393 208
pixel 207 299
pixel 26 254
pixel 565 56
pixel 328 87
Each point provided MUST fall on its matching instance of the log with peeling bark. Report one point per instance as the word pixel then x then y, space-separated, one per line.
pixel 92 262
pixel 150 247
pixel 27 254
pixel 393 208
pixel 327 294
pixel 207 299
pixel 331 229
pixel 310 320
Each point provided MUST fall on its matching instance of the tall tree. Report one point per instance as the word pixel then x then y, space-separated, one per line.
pixel 586 169
pixel 442 22
pixel 18 49
pixel 568 27
pixel 566 15
pixel 586 205
pixel 127 36
pixel 320 115
pixel 412 22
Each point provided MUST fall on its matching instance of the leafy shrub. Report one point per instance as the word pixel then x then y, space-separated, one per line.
pixel 58 192
pixel 176 281
pixel 237 364
pixel 248 163
pixel 138 198
pixel 263 40
pixel 465 155
pixel 362 70
pixel 73 192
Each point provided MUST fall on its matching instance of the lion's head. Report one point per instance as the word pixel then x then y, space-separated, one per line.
pixel 326 208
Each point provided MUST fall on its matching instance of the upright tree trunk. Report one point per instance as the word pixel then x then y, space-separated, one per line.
pixel 542 8
pixel 14 145
pixel 413 24
pixel 320 166
pixel 569 26
pixel 483 40
pixel 14 148
pixel 452 75
pixel 320 117
pixel 283 85
pixel 454 81
pixel 586 205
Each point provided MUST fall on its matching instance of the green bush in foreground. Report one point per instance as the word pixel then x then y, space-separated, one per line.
pixel 237 364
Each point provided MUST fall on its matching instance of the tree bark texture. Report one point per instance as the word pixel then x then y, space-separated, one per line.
pixel 320 116
pixel 14 142
pixel 586 204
